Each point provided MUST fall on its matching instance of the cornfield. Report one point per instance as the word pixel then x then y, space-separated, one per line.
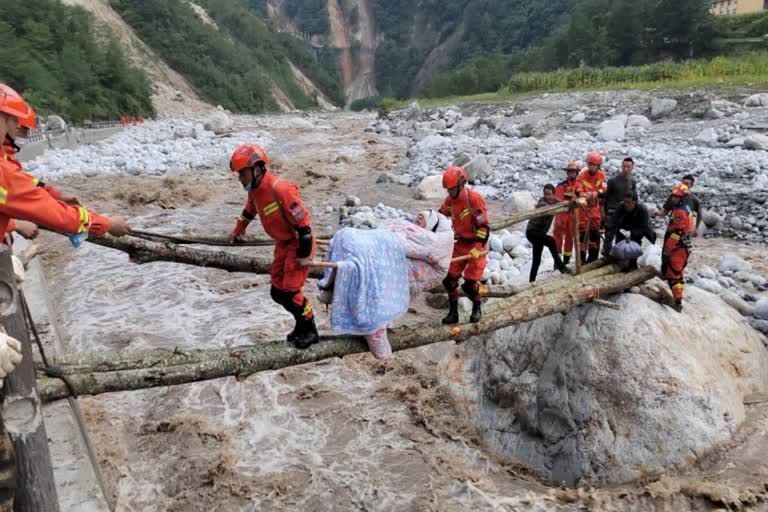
pixel 752 64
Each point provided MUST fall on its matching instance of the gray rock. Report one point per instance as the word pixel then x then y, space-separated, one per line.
pixel 55 123
pixel 386 177
pixel 496 244
pixel 589 397
pixel 711 219
pixel 726 282
pixel 736 142
pixel 437 300
pixel 732 299
pixel 405 180
pixel 733 263
pixel 713 113
pixel 736 223
pixel 637 121
pixel 422 132
pixel 743 276
pixel 494 264
pixel 431 143
pixel 511 240
pixel 706 272
pixel 761 309
pixel 476 166
pixel 440 125
pixel 660 107
pixel 759 325
pixel 707 137
pixel 520 251
pixel 756 142
pixel 709 285
pixel 757 100
pixel 509 128
pixel 451 118
pixel 430 187
pixel 519 202
pixel 579 117
pixel 352 201
pixel 611 130
pixel 527 144
pixel 219 122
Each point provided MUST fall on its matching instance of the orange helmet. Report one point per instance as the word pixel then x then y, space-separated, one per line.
pixel 30 121
pixel 454 177
pixel 12 104
pixel 246 156
pixel 595 158
pixel 680 190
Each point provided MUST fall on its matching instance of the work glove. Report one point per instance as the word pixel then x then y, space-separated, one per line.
pixel 476 253
pixel 10 355
pixel 18 270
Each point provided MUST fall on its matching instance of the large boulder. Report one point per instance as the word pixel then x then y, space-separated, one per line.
pixel 660 107
pixel 430 187
pixel 757 100
pixel 639 122
pixel 707 137
pixel 519 202
pixel 756 142
pixel 219 122
pixel 55 123
pixel 477 166
pixel 733 263
pixel 761 309
pixel 610 130
pixel 431 143
pixel 599 396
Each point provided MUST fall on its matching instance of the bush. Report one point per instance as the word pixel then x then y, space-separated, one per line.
pixel 369 103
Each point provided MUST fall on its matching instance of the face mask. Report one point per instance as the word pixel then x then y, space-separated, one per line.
pixel 248 187
pixel 77 239
pixel 21 141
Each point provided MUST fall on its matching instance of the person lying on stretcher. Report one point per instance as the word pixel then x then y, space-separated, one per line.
pixel 379 271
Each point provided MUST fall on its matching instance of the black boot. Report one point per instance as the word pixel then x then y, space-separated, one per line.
pixel 476 312
pixel 564 270
pixel 566 259
pixel 679 305
pixel 307 334
pixel 593 255
pixel 294 333
pixel 453 313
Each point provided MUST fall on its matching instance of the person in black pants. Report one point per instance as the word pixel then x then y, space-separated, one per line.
pixel 537 233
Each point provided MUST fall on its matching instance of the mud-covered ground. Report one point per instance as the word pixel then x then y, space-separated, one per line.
pixel 351 434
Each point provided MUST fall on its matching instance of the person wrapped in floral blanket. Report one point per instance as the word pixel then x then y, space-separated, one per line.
pixel 379 271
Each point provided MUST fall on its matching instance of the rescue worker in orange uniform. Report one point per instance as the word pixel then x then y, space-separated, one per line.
pixel 285 219
pixel 469 214
pixel 677 243
pixel 563 230
pixel 593 186
pixel 21 198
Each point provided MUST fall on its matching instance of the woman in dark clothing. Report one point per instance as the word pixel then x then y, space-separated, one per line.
pixel 537 233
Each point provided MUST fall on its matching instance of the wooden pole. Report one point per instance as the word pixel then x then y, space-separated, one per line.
pixel 21 407
pixel 576 240
pixel 168 368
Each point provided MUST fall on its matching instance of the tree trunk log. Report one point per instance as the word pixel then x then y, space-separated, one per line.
pixel 144 251
pixel 532 214
pixel 156 368
pixel 22 411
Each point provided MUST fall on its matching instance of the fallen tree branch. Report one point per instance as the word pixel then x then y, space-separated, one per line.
pixel 606 304
pixel 216 241
pixel 143 251
pixel 563 207
pixel 163 368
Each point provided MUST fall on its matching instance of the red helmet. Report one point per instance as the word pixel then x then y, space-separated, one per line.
pixel 246 156
pixel 454 177
pixel 595 158
pixel 680 190
pixel 12 104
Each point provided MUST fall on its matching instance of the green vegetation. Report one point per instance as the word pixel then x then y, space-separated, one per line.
pixel 311 15
pixel 52 55
pixel 753 65
pixel 370 103
pixel 236 65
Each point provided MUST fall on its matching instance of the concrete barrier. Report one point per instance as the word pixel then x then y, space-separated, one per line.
pixel 65 140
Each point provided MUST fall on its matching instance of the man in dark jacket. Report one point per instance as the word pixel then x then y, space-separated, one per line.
pixel 618 188
pixel 537 233
pixel 633 218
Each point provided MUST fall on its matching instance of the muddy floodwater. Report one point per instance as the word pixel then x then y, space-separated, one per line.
pixel 351 434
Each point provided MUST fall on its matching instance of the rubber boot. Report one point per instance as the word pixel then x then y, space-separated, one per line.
pixel 593 255
pixel 679 305
pixel 294 333
pixel 564 270
pixel 453 313
pixel 307 334
pixel 476 312
pixel 566 259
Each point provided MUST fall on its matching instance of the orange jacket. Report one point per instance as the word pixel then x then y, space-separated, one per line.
pixel 9 155
pixel 469 215
pixel 566 191
pixel 593 187
pixel 21 199
pixel 680 224
pixel 279 207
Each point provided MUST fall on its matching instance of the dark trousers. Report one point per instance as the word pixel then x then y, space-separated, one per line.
pixel 539 241
pixel 611 230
